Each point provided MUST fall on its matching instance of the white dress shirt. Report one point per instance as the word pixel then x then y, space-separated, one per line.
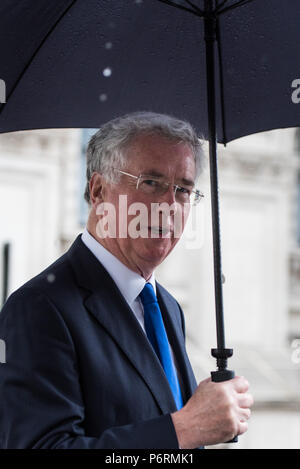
pixel 130 283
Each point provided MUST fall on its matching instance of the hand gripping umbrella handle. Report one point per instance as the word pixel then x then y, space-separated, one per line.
pixel 223 374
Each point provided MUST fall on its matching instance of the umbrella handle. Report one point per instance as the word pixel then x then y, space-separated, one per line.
pixel 218 377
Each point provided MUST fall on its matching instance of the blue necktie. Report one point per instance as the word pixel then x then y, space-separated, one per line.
pixel 157 336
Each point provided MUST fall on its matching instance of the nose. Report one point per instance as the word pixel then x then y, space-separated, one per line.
pixel 168 207
pixel 170 197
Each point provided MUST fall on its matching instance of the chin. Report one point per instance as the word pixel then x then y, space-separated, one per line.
pixel 157 252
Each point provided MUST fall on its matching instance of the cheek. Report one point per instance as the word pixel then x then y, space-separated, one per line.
pixel 135 215
pixel 180 219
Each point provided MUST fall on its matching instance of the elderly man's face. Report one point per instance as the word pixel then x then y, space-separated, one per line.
pixel 149 155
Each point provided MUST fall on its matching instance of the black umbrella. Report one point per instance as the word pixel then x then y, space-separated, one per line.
pixel 230 67
pixel 77 63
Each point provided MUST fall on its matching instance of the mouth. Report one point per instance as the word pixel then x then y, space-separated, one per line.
pixel 157 231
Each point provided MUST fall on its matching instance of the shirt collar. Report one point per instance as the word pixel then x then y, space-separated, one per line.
pixel 130 283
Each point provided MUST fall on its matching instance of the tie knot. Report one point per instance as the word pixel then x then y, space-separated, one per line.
pixel 148 294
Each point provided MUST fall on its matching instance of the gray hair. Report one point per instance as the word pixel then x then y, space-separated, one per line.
pixel 106 148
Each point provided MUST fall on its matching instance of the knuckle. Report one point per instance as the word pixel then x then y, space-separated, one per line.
pixel 245 415
pixel 249 401
pixel 221 392
pixel 246 400
pixel 246 382
pixel 230 418
pixel 228 409
pixel 243 382
pixel 233 427
pixel 231 397
pixel 228 397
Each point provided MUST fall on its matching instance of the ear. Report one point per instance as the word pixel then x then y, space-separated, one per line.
pixel 96 188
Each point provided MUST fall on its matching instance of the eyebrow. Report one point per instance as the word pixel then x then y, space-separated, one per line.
pixel 154 172
pixel 187 182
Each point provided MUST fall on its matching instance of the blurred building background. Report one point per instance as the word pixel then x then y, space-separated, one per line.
pixel 42 178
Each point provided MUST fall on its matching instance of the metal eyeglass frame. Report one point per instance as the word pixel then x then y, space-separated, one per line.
pixel 198 194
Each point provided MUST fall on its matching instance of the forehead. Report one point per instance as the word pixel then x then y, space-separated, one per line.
pixel 156 153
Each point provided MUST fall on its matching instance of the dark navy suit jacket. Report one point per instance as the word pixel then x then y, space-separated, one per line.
pixel 79 371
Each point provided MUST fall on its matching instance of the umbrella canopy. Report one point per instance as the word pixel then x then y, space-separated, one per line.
pixel 79 63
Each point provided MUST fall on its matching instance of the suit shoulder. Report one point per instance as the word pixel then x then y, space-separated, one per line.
pixel 47 284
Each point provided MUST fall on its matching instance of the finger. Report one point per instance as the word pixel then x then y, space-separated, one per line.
pixel 245 400
pixel 242 428
pixel 244 415
pixel 240 384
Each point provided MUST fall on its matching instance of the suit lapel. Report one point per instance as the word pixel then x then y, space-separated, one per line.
pixel 112 312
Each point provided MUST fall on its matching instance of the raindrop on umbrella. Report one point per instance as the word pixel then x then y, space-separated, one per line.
pixel 103 97
pixel 107 72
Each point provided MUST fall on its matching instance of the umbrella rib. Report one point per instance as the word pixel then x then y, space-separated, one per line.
pixel 221 5
pixel 36 51
pixel 195 7
pixel 232 7
pixel 180 7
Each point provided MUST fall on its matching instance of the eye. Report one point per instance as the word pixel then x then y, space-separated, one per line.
pixel 150 182
pixel 184 190
pixel 150 186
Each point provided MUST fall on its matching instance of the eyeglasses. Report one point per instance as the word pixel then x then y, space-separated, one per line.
pixel 155 185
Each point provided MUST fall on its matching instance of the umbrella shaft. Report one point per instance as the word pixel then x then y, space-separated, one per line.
pixel 5 271
pixel 210 40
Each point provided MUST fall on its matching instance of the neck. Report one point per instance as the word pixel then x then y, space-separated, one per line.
pixel 113 247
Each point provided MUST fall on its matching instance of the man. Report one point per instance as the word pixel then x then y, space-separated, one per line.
pixel 95 346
